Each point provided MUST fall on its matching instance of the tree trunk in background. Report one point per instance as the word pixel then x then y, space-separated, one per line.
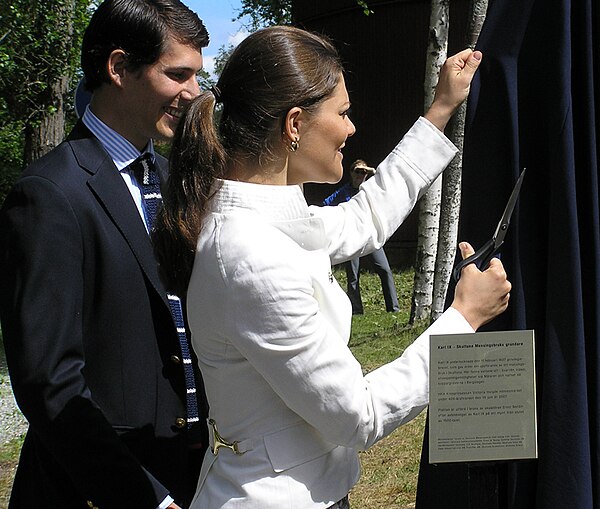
pixel 41 137
pixel 47 129
pixel 429 205
pixel 451 187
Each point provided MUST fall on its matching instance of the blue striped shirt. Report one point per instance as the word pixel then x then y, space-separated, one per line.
pixel 122 152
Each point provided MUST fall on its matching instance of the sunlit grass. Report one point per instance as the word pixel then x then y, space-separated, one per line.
pixel 390 468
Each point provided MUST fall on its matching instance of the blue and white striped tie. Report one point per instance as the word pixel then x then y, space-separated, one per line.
pixel 147 177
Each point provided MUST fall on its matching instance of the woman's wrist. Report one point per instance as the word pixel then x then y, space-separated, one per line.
pixel 439 115
pixel 474 318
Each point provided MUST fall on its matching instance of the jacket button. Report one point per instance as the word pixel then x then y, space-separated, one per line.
pixel 180 422
pixel 175 359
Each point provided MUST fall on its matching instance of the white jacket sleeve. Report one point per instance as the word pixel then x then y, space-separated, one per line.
pixel 277 324
pixel 364 223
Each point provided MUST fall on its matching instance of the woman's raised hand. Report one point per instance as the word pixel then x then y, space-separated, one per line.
pixel 453 86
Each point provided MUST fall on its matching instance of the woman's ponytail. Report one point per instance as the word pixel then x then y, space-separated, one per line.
pixel 197 159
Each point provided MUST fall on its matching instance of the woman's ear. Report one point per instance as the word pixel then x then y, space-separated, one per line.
pixel 117 66
pixel 293 124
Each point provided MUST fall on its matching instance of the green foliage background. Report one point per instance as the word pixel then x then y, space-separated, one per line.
pixel 40 43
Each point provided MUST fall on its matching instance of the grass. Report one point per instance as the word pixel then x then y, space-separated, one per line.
pixel 9 453
pixel 390 468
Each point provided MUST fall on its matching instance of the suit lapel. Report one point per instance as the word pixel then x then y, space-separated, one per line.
pixel 108 186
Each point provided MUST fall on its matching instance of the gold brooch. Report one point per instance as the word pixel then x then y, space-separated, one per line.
pixel 218 441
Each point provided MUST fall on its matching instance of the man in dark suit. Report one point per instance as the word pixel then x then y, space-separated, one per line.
pixel 91 344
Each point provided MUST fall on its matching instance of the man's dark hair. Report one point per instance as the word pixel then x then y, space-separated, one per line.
pixel 141 28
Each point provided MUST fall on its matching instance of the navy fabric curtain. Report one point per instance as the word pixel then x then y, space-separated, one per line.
pixel 536 104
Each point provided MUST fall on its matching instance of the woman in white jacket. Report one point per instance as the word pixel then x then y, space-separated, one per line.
pixel 289 404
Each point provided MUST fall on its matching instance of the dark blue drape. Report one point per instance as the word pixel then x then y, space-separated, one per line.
pixel 536 104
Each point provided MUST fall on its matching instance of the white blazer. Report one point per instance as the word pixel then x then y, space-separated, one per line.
pixel 270 326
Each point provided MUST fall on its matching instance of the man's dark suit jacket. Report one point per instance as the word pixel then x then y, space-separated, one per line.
pixel 90 343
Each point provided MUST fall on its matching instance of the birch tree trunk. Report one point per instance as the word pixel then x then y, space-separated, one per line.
pixel 451 183
pixel 429 205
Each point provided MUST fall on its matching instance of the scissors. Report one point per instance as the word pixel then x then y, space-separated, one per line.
pixel 484 254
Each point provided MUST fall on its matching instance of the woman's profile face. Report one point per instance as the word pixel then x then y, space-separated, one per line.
pixel 322 136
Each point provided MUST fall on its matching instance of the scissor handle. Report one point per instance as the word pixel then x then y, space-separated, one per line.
pixel 481 258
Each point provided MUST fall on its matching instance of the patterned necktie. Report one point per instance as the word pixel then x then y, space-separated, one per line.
pixel 147 177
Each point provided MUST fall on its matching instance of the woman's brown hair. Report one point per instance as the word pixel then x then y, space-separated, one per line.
pixel 270 72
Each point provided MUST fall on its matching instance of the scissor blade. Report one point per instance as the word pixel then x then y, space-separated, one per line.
pixel 502 227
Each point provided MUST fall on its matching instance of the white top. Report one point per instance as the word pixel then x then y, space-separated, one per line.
pixel 270 326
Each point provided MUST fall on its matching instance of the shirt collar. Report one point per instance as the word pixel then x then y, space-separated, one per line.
pixel 121 151
pixel 283 207
pixel 277 203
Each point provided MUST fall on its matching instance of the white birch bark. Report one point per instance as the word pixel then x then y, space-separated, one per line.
pixel 429 205
pixel 451 184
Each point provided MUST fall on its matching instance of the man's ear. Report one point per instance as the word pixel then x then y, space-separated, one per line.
pixel 294 121
pixel 117 66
